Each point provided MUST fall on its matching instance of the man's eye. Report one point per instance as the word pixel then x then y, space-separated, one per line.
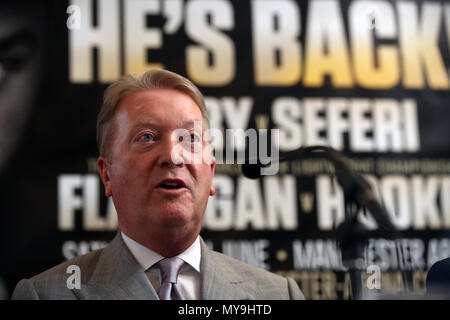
pixel 8 65
pixel 148 137
pixel 194 138
pixel 11 63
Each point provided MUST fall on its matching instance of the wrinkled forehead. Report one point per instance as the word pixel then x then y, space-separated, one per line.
pixel 159 108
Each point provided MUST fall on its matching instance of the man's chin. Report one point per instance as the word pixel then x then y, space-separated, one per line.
pixel 174 223
pixel 172 214
pixel 175 217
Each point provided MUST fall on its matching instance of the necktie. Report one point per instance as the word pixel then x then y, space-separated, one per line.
pixel 170 267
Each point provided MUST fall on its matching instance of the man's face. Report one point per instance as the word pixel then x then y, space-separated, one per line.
pixel 151 192
pixel 21 55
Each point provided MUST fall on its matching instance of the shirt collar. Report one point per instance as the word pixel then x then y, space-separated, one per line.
pixel 147 258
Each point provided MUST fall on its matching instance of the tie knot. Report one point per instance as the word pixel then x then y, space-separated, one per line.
pixel 170 267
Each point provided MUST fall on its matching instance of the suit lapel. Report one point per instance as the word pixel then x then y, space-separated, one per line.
pixel 220 282
pixel 117 275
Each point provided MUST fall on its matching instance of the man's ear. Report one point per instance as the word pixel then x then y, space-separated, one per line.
pixel 103 168
pixel 212 190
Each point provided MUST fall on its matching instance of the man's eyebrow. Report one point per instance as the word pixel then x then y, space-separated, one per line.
pixel 191 123
pixel 145 124
pixel 21 37
pixel 152 123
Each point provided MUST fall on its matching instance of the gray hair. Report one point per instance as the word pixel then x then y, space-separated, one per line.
pixel 127 85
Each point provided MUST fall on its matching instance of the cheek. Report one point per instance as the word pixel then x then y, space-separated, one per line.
pixel 127 173
pixel 128 190
pixel 203 181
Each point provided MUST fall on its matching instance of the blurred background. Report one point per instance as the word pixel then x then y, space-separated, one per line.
pixel 368 78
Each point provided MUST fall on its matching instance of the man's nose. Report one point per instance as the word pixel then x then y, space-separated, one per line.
pixel 171 153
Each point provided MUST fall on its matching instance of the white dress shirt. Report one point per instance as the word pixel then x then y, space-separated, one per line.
pixel 189 276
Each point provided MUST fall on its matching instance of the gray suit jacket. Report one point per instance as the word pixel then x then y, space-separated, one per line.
pixel 113 273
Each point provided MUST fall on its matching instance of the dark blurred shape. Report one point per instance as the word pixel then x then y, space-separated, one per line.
pixel 438 280
pixel 27 39
pixel 22 35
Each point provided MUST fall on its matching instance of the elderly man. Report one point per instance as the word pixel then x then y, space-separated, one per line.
pixel 160 195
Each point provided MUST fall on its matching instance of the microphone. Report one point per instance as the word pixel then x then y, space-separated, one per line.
pixel 252 167
pixel 353 184
pixel 357 188
pixel 252 171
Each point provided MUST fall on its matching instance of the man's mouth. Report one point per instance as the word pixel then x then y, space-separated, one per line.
pixel 172 184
